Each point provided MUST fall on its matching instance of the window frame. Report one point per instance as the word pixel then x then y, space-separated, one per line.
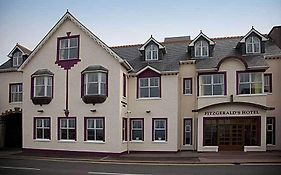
pixel 131 129
pixel 18 93
pixel 43 128
pixel 149 87
pixel 252 44
pixel 99 82
pixel 95 128
pixel 59 39
pixel 184 131
pixel 269 75
pixel 199 87
pixel 154 130
pixel 124 85
pixel 238 73
pixel 59 128
pixel 273 130
pixel 190 86
pixel 149 52
pixel 200 45
pixel 17 58
pixel 45 85
pixel 124 129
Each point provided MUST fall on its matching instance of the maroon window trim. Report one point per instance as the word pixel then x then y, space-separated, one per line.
pixel 85 127
pixel 59 118
pixel 10 91
pixel 125 126
pixel 34 126
pixel 124 84
pixel 270 81
pixel 67 37
pixel 191 128
pixel 32 85
pixel 166 132
pixel 212 73
pixel 190 80
pixel 131 119
pixel 148 73
pixel 237 77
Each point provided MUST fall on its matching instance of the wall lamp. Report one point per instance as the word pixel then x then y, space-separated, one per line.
pixel 148 111
pixel 93 110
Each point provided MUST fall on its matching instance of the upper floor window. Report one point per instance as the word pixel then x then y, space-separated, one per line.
pixel 68 48
pixel 267 83
pixel 187 86
pixel 95 83
pixel 252 45
pixel 151 52
pixel 43 86
pixel 201 49
pixel 17 59
pixel 212 84
pixel 149 87
pixel 250 83
pixel 16 92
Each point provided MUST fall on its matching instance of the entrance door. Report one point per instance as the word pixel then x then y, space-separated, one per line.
pixel 13 131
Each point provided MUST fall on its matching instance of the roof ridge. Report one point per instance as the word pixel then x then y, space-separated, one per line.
pixel 127 45
pixel 226 37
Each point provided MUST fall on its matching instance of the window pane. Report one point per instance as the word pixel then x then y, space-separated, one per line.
pixel 205 51
pixel 73 53
pixel 63 54
pixel 218 78
pixel 46 123
pixel 91 134
pixel 90 123
pixel 63 133
pixel 103 89
pixel 143 82
pixel 38 123
pixel 92 88
pixel 137 135
pixel 100 134
pixel 39 91
pixel 47 134
pixel 103 77
pixel 63 43
pixel 73 42
pixel 63 123
pixel 249 48
pixel 244 77
pixel 92 77
pixel 99 123
pixel 39 81
pixel 244 88
pixel 207 89
pixel 71 123
pixel 160 135
pixel 218 90
pixel 257 47
pixel 256 88
pixel 137 124
pixel 144 92
pixel 160 124
pixel 206 79
pixel 154 92
pixel 49 81
pixel 49 91
pixel 256 77
pixel 72 134
pixel 39 133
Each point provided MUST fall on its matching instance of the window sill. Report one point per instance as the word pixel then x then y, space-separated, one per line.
pixel 152 98
pixel 124 141
pixel 67 141
pixel 42 140
pixel 187 94
pixel 15 103
pixel 251 95
pixel 270 145
pixel 136 141
pixel 160 141
pixel 213 96
pixel 94 142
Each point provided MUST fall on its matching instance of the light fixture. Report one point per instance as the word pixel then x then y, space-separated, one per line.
pixel 40 110
pixel 93 110
pixel 148 111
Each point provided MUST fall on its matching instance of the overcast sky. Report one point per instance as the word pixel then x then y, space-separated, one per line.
pixel 118 22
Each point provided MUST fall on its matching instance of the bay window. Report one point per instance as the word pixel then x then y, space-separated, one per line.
pixel 95 83
pixel 250 83
pixel 212 84
pixel 149 87
pixel 42 86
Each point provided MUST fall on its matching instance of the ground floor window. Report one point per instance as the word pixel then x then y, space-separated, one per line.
pixel 159 132
pixel 137 129
pixel 270 131
pixel 124 129
pixel 187 140
pixel 231 132
pixel 42 128
pixel 95 129
pixel 67 128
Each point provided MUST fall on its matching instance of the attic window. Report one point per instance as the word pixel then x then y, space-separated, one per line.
pixel 151 52
pixel 68 47
pixel 252 45
pixel 201 49
pixel 17 59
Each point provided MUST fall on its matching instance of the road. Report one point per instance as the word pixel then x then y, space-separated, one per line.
pixel 12 166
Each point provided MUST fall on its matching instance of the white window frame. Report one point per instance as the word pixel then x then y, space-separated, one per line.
pixel 124 129
pixel 67 128
pixel 99 82
pixel 201 45
pixel 149 79
pixel 267 82
pixel 95 129
pixel 155 129
pixel 186 131
pixel 45 85
pixel 17 94
pixel 68 47
pixel 250 82
pixel 43 127
pixel 187 81
pixel 137 129
pixel 251 42
pixel 272 130
pixel 17 59
pixel 149 52
pixel 212 84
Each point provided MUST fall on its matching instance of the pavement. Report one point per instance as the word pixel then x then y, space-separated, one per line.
pixel 182 157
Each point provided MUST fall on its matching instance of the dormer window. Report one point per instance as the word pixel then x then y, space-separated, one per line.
pixel 151 52
pixel 201 49
pixel 68 48
pixel 252 45
pixel 17 59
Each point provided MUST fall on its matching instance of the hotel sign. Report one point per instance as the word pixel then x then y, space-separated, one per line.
pixel 226 113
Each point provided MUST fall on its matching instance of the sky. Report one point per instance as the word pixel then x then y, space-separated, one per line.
pixel 123 22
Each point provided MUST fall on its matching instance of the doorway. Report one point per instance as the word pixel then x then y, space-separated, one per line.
pixel 13 130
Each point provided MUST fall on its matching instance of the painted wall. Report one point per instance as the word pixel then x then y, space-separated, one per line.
pixel 90 54
pixel 165 107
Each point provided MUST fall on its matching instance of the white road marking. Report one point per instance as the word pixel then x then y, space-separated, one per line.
pixel 263 164
pixel 20 168
pixel 106 173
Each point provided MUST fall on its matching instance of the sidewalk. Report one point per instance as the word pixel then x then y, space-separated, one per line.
pixel 184 157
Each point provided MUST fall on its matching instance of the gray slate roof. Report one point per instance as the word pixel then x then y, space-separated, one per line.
pixel 177 51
